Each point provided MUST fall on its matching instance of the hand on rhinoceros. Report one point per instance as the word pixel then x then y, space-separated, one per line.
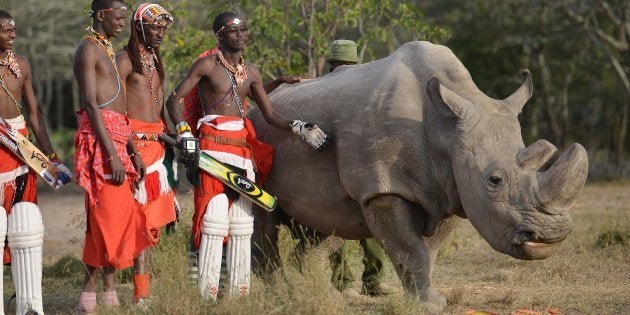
pixel 312 134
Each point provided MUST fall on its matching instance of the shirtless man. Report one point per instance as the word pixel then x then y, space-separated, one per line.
pixel 17 184
pixel 106 162
pixel 142 73
pixel 224 79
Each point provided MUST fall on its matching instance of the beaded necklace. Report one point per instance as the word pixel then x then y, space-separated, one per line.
pixel 148 61
pixel 14 66
pixel 238 72
pixel 101 40
pixel 109 49
pixel 10 62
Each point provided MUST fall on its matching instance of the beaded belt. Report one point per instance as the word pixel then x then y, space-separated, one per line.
pixel 146 136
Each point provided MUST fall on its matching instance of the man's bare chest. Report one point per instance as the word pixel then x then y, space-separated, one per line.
pixel 10 88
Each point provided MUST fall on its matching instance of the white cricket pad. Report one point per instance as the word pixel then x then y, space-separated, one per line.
pixel 214 228
pixel 26 236
pixel 239 253
pixel 3 235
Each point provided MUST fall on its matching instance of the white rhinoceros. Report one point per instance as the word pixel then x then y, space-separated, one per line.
pixel 416 146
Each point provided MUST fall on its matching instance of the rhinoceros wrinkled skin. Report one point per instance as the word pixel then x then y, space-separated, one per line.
pixel 416 147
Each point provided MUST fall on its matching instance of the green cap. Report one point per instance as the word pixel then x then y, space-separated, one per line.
pixel 343 50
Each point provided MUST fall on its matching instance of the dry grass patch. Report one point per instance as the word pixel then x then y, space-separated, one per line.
pixel 589 275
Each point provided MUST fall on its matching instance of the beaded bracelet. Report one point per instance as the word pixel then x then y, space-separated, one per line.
pixel 182 127
pixel 52 156
pixel 111 158
pixel 134 154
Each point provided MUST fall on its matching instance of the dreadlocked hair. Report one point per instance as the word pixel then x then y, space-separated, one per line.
pixel 134 53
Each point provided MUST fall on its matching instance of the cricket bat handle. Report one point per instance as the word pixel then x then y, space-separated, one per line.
pixel 63 179
pixel 167 139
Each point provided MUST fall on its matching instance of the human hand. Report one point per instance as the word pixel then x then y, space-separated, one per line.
pixel 64 175
pixel 290 79
pixel 312 134
pixel 118 170
pixel 190 148
pixel 138 164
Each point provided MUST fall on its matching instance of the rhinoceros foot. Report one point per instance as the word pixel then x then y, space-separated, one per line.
pixel 434 303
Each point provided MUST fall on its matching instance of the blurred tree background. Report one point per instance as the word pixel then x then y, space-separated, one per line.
pixel 577 50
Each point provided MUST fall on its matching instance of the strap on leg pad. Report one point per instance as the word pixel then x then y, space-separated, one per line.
pixel 214 228
pixel 26 236
pixel 239 255
pixel 3 225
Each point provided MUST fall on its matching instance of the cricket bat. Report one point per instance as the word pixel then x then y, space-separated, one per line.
pixel 226 175
pixel 32 156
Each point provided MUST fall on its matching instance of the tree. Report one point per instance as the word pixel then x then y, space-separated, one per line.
pixel 572 79
pixel 607 24
pixel 47 34
pixel 291 36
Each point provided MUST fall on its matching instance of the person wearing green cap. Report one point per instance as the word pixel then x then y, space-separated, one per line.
pixel 344 52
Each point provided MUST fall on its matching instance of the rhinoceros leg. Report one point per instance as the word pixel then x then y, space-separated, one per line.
pixel 265 253
pixel 398 225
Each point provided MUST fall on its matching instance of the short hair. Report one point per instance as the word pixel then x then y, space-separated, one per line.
pixel 5 15
pixel 222 19
pixel 102 4
pixel 98 5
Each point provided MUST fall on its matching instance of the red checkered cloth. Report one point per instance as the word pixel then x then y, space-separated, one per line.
pixel 90 159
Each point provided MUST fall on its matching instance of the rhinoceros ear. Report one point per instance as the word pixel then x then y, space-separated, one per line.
pixel 448 103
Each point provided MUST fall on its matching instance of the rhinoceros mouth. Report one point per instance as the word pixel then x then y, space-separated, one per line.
pixel 528 245
pixel 537 250
pixel 534 239
pixel 540 245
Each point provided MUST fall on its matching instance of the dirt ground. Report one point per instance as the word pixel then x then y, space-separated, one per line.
pixel 63 212
pixel 64 222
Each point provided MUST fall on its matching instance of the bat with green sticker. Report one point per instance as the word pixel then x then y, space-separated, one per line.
pixel 230 178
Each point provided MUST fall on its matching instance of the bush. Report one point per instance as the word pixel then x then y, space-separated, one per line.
pixel 612 236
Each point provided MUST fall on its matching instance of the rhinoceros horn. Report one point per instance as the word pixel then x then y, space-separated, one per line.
pixel 559 185
pixel 517 100
pixel 539 156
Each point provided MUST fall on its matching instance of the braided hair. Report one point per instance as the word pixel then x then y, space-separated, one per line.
pixel 134 53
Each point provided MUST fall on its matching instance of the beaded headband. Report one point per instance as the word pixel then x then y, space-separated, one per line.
pixel 153 14
pixel 9 23
pixel 235 21
pixel 123 8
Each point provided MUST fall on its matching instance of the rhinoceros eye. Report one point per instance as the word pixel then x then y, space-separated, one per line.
pixel 495 180
pixel 497 183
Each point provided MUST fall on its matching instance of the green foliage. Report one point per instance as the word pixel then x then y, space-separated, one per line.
pixel 569 46
pixel 62 141
pixel 292 37
pixel 577 92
